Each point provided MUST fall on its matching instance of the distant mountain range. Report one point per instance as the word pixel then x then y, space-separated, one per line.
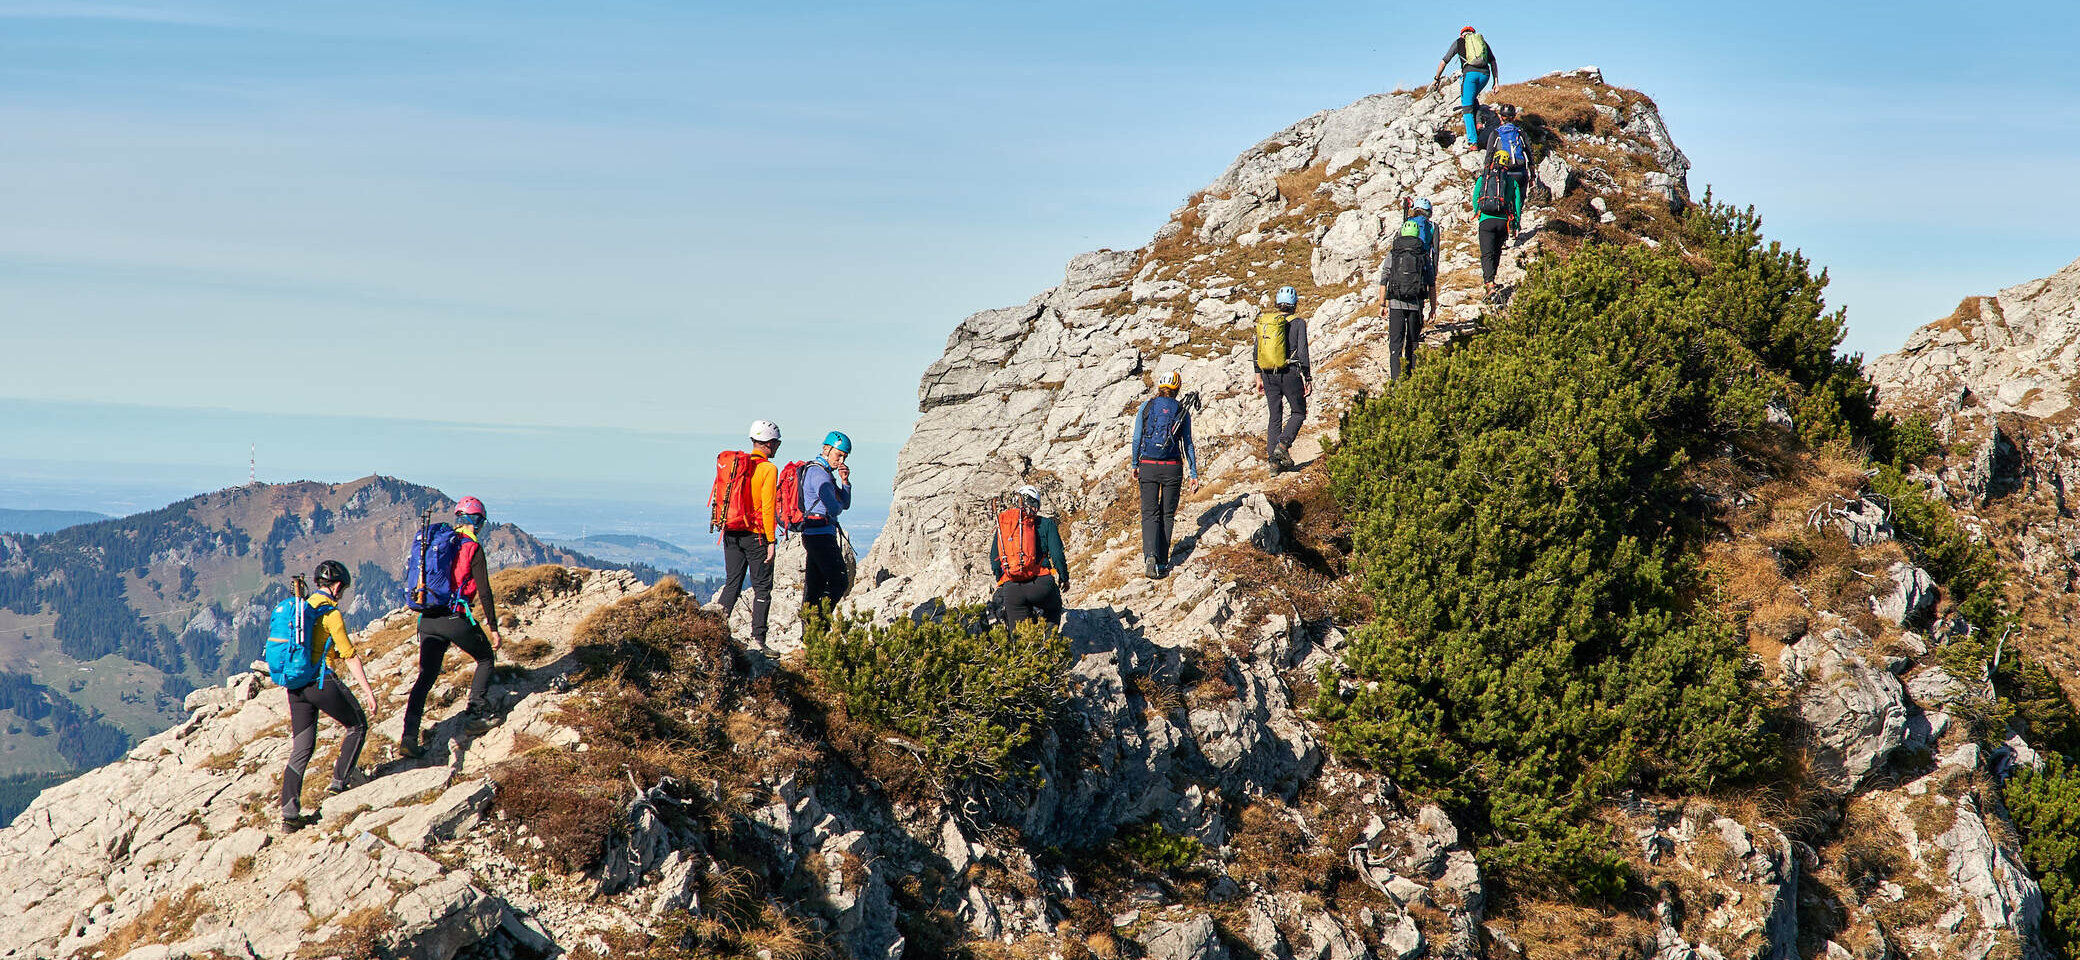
pixel 45 521
pixel 106 626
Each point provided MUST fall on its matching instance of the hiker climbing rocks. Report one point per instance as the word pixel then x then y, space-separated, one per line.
pixel 741 506
pixel 1509 138
pixel 449 565
pixel 826 491
pixel 306 645
pixel 1163 456
pixel 1407 279
pixel 1283 375
pixel 1477 60
pixel 1498 200
pixel 1027 559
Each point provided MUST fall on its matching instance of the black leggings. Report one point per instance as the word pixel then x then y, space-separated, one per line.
pixel 1494 235
pixel 1160 483
pixel 824 576
pixel 435 634
pixel 1035 599
pixel 337 702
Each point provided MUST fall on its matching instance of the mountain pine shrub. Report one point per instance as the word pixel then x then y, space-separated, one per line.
pixel 2046 808
pixel 1521 518
pixel 970 698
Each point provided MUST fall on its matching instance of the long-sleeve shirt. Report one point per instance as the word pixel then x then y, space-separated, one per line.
pixel 332 628
pixel 1458 49
pixel 823 498
pixel 1515 190
pixel 1050 534
pixel 480 576
pixel 1184 439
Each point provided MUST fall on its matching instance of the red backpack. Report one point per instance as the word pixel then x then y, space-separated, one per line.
pixel 787 501
pixel 731 507
pixel 1018 544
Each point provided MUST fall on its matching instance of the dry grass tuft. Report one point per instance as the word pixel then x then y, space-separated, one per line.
pixel 659 641
pixel 571 802
pixel 522 584
pixel 170 920
pixel 363 933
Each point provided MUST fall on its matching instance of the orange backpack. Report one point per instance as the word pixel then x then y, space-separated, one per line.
pixel 731 506
pixel 1018 545
pixel 787 501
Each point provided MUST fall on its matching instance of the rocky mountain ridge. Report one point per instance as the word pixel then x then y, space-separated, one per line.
pixel 659 790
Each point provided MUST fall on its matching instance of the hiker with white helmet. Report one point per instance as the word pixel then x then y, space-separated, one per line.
pixel 1027 558
pixel 741 507
pixel 453 622
pixel 1407 279
pixel 1477 63
pixel 1161 450
pixel 1284 376
pixel 826 491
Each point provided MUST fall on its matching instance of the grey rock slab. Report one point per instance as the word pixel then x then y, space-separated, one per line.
pixel 1909 594
pixel 428 823
pixel 1858 714
pixel 1194 939
pixel 386 791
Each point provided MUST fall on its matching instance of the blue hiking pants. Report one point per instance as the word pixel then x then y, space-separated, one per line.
pixel 1470 84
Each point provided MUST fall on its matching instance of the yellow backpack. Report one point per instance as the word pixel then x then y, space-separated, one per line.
pixel 1476 52
pixel 1271 340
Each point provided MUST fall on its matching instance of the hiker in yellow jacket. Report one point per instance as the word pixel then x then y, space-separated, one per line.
pixel 327 695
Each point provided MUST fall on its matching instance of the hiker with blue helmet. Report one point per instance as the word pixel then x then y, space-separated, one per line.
pixel 1477 62
pixel 1284 376
pixel 325 694
pixel 1161 450
pixel 826 492
pixel 1407 280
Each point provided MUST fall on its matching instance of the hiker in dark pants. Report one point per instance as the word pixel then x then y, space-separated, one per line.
pixel 1163 456
pixel 1283 376
pixel 1401 298
pixel 461 628
pixel 1033 570
pixel 328 695
pixel 1477 60
pixel 826 492
pixel 1498 200
pixel 747 518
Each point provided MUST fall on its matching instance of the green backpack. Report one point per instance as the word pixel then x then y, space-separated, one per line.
pixel 1271 340
pixel 1476 52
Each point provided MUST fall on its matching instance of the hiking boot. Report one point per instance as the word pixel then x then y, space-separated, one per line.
pixel 478 724
pixel 292 822
pixel 411 749
pixel 1148 566
pixel 1162 571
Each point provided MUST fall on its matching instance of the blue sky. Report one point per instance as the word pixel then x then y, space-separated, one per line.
pixel 607 221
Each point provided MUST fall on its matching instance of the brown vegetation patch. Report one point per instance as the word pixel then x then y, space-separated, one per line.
pixel 1551 930
pixel 363 933
pixel 569 801
pixel 170 920
pixel 659 641
pixel 520 585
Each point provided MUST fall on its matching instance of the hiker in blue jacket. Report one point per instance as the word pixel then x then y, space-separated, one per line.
pixel 826 492
pixel 1160 448
pixel 1477 59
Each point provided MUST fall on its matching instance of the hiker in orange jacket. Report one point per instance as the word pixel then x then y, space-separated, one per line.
pixel 1032 573
pixel 748 536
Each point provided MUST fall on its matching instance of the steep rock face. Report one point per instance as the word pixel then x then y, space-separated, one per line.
pixel 1044 392
pixel 2015 352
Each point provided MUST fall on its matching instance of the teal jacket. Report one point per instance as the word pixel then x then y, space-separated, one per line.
pixel 1516 198
pixel 1050 535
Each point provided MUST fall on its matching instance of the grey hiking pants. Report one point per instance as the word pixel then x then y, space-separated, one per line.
pixel 744 554
pixel 335 701
pixel 1404 331
pixel 1160 485
pixel 1282 389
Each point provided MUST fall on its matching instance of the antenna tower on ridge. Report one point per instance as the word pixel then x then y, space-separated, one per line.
pixel 252 463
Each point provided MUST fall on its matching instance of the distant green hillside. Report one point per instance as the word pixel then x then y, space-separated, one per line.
pixel 44 521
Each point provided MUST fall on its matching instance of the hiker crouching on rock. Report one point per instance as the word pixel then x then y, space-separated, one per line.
pixel 459 627
pixel 1163 456
pixel 741 505
pixel 1027 559
pixel 322 628
pixel 826 492
pixel 1283 375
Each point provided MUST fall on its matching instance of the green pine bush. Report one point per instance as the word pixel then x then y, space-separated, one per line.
pixel 1522 522
pixel 2046 808
pixel 969 699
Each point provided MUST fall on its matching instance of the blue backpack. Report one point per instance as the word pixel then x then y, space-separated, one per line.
pixel 294 658
pixel 429 569
pixel 1508 137
pixel 1161 419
